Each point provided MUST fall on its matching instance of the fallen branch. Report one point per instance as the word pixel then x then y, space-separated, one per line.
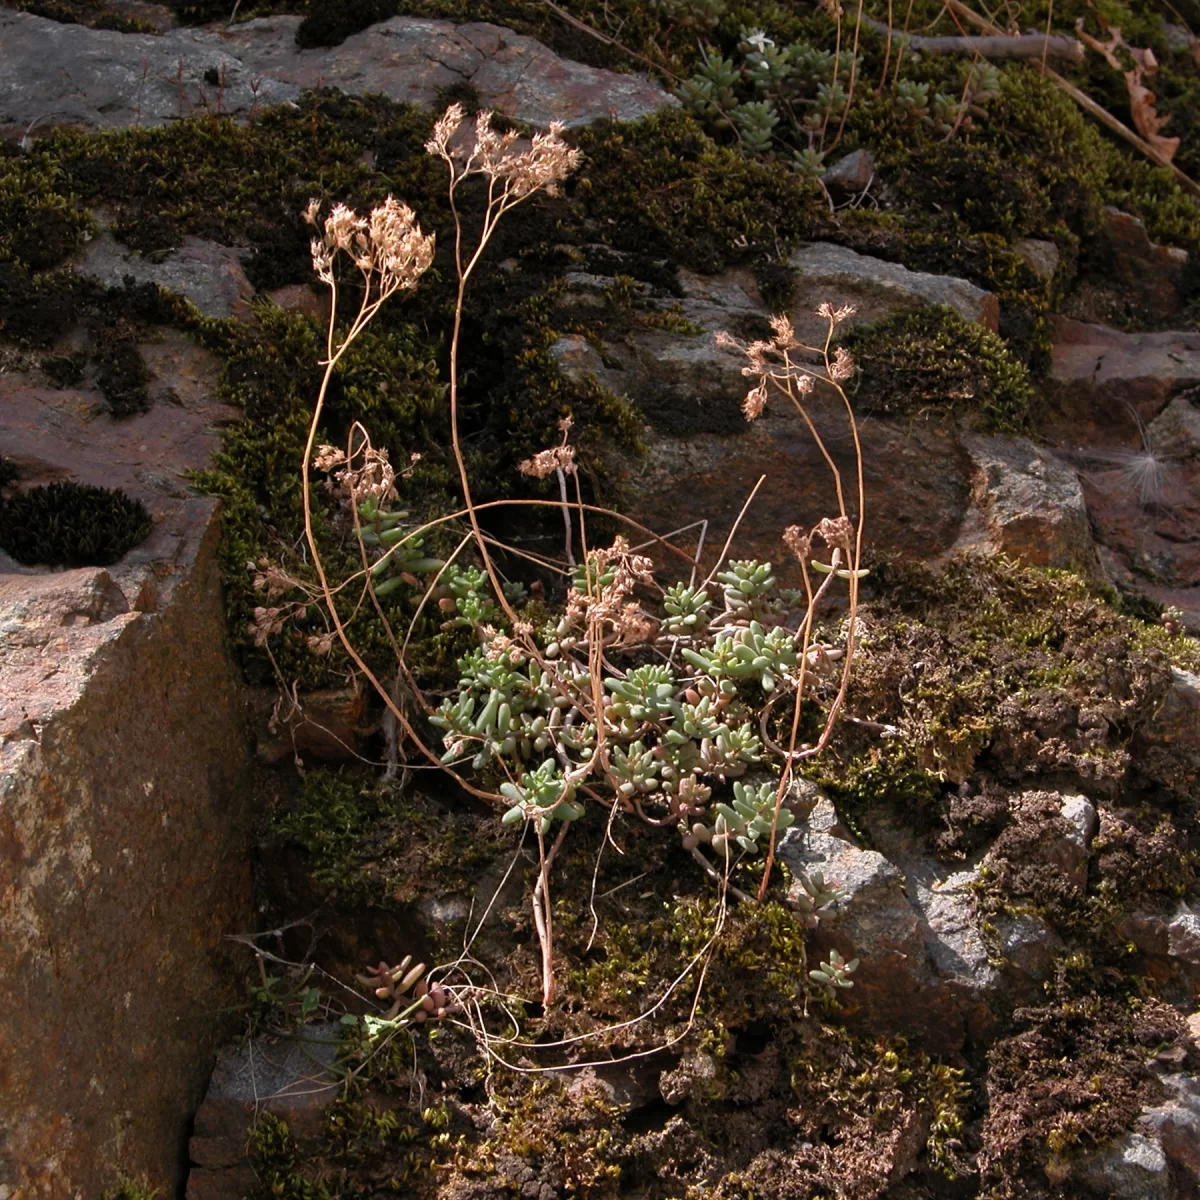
pixel 1030 46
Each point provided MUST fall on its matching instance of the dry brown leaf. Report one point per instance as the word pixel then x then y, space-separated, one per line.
pixel 1146 119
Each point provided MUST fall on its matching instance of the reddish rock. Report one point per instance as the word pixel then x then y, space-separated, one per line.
pixel 124 861
pixel 1151 275
pixel 1098 375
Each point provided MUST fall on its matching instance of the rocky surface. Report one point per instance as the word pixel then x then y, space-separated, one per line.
pixel 123 855
pixel 877 288
pixel 124 817
pixel 209 275
pixel 1104 381
pixel 68 74
pixel 1028 504
pixel 291 1078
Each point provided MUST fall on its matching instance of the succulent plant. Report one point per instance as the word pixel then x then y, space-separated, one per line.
pixel 834 973
pixel 687 609
pixel 748 587
pixel 750 817
pixel 543 796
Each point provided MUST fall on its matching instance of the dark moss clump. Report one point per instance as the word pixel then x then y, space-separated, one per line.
pixel 72 525
pixel 93 13
pixel 662 188
pixel 931 359
pixel 331 22
pixel 121 373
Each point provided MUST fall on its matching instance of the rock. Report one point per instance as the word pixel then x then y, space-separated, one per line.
pixel 208 275
pixel 301 298
pixel 878 288
pixel 1080 815
pixel 1175 432
pixel 1183 937
pixel 1144 502
pixel 124 860
pixel 1151 274
pixel 1098 374
pixel 328 725
pixel 1176 724
pixel 1175 1123
pixel 894 988
pixel 704 458
pixel 69 74
pixel 291 1079
pixel 1132 1168
pixel 1027 504
pixel 852 175
pixel 1029 946
pixel 1164 934
pixel 1041 257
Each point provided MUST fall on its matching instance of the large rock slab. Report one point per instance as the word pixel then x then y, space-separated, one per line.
pixel 124 861
pixel 895 989
pixel 704 458
pixel 124 798
pixel 52 73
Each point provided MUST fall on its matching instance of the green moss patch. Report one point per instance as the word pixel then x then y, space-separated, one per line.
pixel 930 359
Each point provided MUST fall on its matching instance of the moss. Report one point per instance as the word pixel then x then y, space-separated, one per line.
pixel 931 359
pixel 41 220
pixel 372 845
pixel 663 188
pixel 96 14
pixel 331 22
pixel 122 375
pixel 1011 656
pixel 71 525
pixel 1076 1073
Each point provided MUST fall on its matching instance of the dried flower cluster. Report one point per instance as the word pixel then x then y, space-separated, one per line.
pixel 541 166
pixel 388 244
pixel 776 363
pixel 369 475
pixel 602 600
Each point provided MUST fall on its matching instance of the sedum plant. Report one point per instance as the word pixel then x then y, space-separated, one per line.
pixel 643 700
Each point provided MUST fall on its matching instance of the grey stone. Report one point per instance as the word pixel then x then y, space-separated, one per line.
pixel 1132 1168
pixel 1029 945
pixel 852 175
pixel 878 288
pixel 208 275
pixel 895 988
pixel 52 73
pixel 1080 813
pixel 1183 937
pixel 1042 257
pixel 1176 1123
pixel 1175 432
pixel 1028 504
pixel 295 1069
